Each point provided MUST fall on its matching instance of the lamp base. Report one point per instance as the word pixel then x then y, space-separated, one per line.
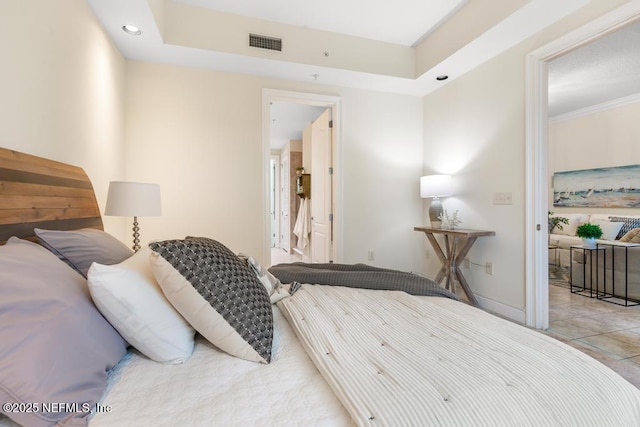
pixel 136 235
pixel 435 210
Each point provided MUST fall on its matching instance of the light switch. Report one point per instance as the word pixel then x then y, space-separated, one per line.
pixel 502 198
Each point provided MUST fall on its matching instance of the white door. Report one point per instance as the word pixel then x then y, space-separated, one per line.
pixel 321 195
pixel 285 184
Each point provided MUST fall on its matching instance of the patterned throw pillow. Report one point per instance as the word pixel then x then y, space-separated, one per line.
pixel 633 236
pixel 217 293
pixel 629 224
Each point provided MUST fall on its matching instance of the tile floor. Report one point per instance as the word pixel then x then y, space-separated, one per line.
pixel 607 332
pixel 279 256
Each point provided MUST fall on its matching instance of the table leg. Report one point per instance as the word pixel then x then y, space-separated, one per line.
pixel 458 273
pixel 450 264
pixel 440 255
pixel 467 290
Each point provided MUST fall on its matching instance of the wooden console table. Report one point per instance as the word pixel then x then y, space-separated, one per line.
pixel 457 244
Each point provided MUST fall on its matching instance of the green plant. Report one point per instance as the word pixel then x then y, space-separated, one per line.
pixel 589 231
pixel 556 222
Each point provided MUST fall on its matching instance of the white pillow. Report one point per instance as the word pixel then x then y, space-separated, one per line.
pixel 609 229
pixel 574 221
pixel 129 297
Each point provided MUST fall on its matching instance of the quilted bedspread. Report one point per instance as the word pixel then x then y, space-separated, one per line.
pixel 215 389
pixel 397 359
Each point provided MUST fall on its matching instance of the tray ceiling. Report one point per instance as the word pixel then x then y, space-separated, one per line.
pixel 378 45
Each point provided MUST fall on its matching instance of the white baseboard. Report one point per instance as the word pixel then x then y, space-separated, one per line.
pixel 511 313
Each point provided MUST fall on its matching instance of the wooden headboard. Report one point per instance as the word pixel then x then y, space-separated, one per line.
pixel 39 193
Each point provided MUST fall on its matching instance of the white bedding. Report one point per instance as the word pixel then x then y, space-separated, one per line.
pixel 459 366
pixel 397 359
pixel 215 389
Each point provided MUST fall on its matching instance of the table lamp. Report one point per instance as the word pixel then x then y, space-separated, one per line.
pixel 133 199
pixel 435 186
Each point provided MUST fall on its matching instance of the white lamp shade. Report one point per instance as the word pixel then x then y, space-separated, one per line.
pixel 435 186
pixel 133 199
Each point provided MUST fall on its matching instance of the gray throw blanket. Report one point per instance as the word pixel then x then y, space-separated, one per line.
pixel 359 276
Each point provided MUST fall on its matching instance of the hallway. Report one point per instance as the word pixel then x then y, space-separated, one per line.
pixel 279 256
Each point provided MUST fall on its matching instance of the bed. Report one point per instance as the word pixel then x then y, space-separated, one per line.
pixel 326 354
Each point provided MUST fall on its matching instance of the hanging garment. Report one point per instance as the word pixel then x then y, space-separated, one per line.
pixel 302 228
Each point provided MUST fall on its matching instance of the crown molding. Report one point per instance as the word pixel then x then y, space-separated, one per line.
pixel 614 103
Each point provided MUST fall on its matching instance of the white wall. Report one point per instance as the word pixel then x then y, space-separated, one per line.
pixel 382 168
pixel 62 86
pixel 474 127
pixel 474 130
pixel 605 138
pixel 198 134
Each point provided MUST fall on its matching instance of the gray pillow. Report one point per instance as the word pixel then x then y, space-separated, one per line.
pixel 80 248
pixel 56 346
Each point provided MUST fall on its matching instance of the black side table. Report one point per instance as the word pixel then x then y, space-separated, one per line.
pixel 611 297
pixel 590 252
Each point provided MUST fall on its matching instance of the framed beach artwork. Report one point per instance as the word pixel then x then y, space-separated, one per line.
pixel 614 187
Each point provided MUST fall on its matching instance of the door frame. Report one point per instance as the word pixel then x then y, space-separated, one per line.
pixel 537 147
pixel 273 192
pixel 335 104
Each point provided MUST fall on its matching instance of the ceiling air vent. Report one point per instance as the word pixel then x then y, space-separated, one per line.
pixel 265 42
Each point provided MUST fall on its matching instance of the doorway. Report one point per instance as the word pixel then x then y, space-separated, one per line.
pixel 270 96
pixel 536 147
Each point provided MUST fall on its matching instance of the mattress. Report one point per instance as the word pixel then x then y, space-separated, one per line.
pixel 398 359
pixel 213 388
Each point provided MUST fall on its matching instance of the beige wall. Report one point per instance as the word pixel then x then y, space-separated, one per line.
pixel 474 127
pixel 198 134
pixel 600 139
pixel 62 86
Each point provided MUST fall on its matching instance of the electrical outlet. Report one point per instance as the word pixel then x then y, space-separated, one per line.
pixel 466 263
pixel 488 268
pixel 371 255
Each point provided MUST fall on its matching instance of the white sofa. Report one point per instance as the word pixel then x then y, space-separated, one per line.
pixel 560 242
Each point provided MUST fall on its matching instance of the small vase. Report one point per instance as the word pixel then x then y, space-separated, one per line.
pixel 589 242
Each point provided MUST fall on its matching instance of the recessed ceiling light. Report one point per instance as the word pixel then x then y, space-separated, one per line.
pixel 131 29
pixel 442 77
